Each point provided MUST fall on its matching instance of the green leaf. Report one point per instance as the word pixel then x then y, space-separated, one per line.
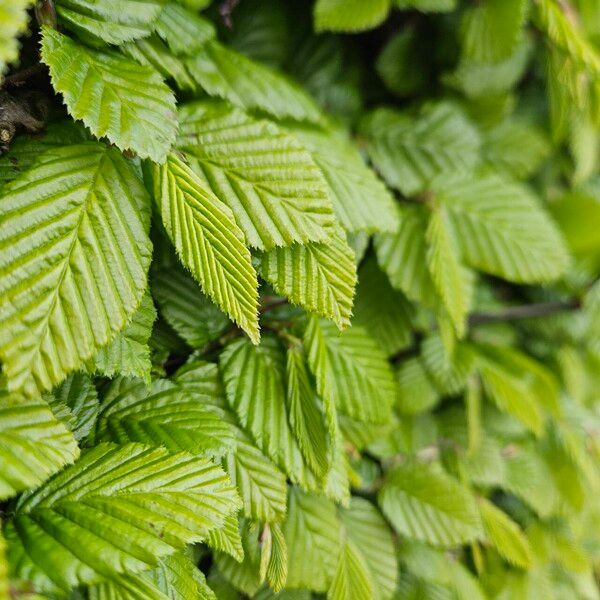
pixel 416 391
pixel 506 535
pixel 4 584
pixel 114 96
pixel 229 75
pixel 78 394
pixel 352 578
pixel 13 21
pixel 305 416
pixel 349 15
pixel 208 241
pixel 189 312
pixel 312 535
pixel 75 257
pixel 277 567
pixel 176 577
pixel 227 539
pixel 164 415
pixel 502 230
pixel 351 372
pixel 33 444
pixel 454 283
pixel 320 277
pixel 279 197
pixel 491 30
pixel 427 5
pixel 373 541
pixel 424 503
pixel 129 354
pixel 255 388
pixel 183 30
pixel 117 510
pixel 410 154
pixel 384 312
pixel 350 181
pixel 110 21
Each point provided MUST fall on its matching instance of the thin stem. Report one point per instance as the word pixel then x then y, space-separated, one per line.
pixel 525 311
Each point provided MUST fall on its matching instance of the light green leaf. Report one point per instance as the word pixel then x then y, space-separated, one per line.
pixel 110 21
pixel 312 535
pixel 117 510
pixel 305 416
pixel 13 21
pixel 229 75
pixel 402 255
pixel 4 584
pixel 424 503
pixel 78 394
pixel 360 200
pixel 114 96
pixel 350 15
pixel 175 578
pixel 320 277
pixel 33 444
pixel 271 184
pixel 454 282
pixel 208 241
pixel 373 541
pixel 164 415
pixel 255 388
pixel 129 354
pixel 277 568
pixel 416 391
pixel 502 230
pixel 187 310
pixel 506 535
pixel 352 578
pixel 183 30
pixel 427 5
pixel 384 312
pixel 411 153
pixel 351 371
pixel 227 539
pixel 75 256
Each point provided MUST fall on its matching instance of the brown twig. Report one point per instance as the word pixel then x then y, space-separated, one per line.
pixel 525 311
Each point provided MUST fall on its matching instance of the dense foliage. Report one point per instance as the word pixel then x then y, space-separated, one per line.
pixel 299 299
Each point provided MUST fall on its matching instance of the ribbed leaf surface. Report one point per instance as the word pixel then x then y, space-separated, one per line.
pixel 360 199
pixel 164 415
pixel 229 75
pixel 227 539
pixel 502 230
pixel 350 370
pixel 312 535
pixel 352 579
pixel 350 15
pixel 74 261
pixel 208 241
pixel 320 277
pixel 13 20
pixel 183 30
pixel 77 392
pixel 117 510
pixel 425 504
pixel 33 444
pixel 110 21
pixel 271 184
pixel 410 153
pixel 114 96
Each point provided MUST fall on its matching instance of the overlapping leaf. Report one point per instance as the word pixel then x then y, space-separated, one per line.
pixel 349 15
pixel 13 20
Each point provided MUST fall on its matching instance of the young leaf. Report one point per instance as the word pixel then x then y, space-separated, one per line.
pixel 114 96
pixel 424 503
pixel 227 539
pixel 78 394
pixel 13 21
pixel 320 277
pixel 110 21
pixel 277 568
pixel 279 196
pixel 352 578
pixel 208 241
pixel 33 444
pixel 119 509
pixel 349 15
pixel 183 30
pixel 427 5
pixel 74 278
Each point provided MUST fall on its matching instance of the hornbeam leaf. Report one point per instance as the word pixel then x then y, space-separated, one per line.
pixel 33 444
pixel 118 509
pixel 183 30
pixel 427 5
pixel 271 184
pixel 225 73
pixel 425 504
pixel 320 277
pixel 350 15
pixel 110 21
pixel 4 585
pixel 77 392
pixel 114 96
pixel 227 539
pixel 208 241
pixel 74 261
pixel 13 21
pixel 352 578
